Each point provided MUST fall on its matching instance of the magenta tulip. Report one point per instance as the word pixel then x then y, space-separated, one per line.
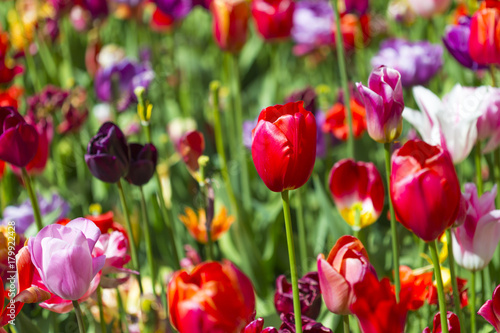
pixel 62 255
pixel 491 310
pixel 284 146
pixel 424 190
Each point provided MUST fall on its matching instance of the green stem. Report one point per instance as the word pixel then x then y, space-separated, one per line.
pixel 128 225
pixel 302 232
pixel 241 151
pixel 346 323
pixel 149 244
pixel 291 256
pixel 33 199
pixel 101 309
pixel 479 177
pixel 453 275
pixel 31 69
pixel 121 311
pixel 339 42
pixel 496 158
pixel 440 289
pixel 394 232
pixel 357 222
pixel 473 302
pixel 276 70
pixel 79 317
pixel 493 78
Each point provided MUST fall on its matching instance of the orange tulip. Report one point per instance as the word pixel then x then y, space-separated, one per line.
pixel 197 226
pixel 230 23
pixel 336 121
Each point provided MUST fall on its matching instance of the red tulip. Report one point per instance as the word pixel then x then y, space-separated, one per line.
pixel 284 146
pixel 357 186
pixel 424 189
pixel 191 147
pixel 484 39
pixel 2 169
pixel 346 265
pixel 230 23
pixel 45 133
pixel 10 96
pixel 273 18
pixel 453 323
pixel 213 297
pixel 491 310
pixel 414 287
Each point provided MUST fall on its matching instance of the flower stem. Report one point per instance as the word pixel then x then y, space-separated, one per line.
pixel 149 244
pixel 79 317
pixel 479 177
pixel 440 289
pixel 33 199
pixel 473 302
pixel 101 309
pixel 453 275
pixel 302 233
pixel 241 152
pixel 291 256
pixel 339 42
pixel 121 311
pixel 394 232
pixel 128 225
pixel 357 222
pixel 346 323
pixel 493 78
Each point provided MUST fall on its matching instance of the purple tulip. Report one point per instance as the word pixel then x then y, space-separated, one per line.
pixel 356 6
pixel 62 255
pixel 312 25
pixel 177 9
pixel 309 294
pixel 488 124
pixel 308 325
pixel 257 326
pixel 308 95
pixel 108 155
pixel 97 8
pixel 383 99
pixel 18 140
pixel 142 163
pixel 417 62
pixel 456 40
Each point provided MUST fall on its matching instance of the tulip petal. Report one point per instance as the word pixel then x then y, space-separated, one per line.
pixel 88 228
pixel 18 145
pixel 104 167
pixel 334 288
pixel 486 311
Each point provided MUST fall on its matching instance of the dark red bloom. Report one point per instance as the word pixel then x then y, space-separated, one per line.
pixel 18 139
pixel 308 325
pixel 273 18
pixel 453 323
pixel 309 294
pixel 191 147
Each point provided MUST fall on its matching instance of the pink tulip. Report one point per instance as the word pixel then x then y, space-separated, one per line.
pixel 346 265
pixel 429 8
pixel 62 256
pixel 475 241
pixel 491 310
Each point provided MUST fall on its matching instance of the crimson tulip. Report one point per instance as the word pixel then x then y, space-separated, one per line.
pixel 191 147
pixel 230 23
pixel 357 186
pixel 491 310
pixel 346 265
pixel 484 40
pixel 453 323
pixel 18 140
pixel 284 146
pixel 273 18
pixel 424 189
pixel 213 297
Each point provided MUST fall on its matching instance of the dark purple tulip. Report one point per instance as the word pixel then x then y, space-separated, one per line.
pixel 142 163
pixel 308 325
pixel 257 326
pixel 356 6
pixel 177 9
pixel 96 8
pixel 417 62
pixel 308 95
pixel 309 294
pixel 18 140
pixel 456 40
pixel 108 155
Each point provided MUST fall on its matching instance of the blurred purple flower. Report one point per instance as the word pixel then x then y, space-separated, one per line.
pixel 22 215
pixel 248 126
pixel 48 100
pixel 417 62
pixel 128 75
pixel 309 294
pixel 308 325
pixel 177 9
pixel 308 95
pixel 456 40
pixel 320 135
pixel 96 8
pixel 357 6
pixel 312 25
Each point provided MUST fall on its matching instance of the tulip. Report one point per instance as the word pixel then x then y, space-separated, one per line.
pixel 307 95
pixel 309 294
pixel 45 134
pixel 475 241
pixel 273 18
pixel 230 23
pixel 424 189
pixel 346 265
pixel 2 169
pixel 106 223
pixel 484 41
pixel 284 146
pixel 191 146
pixel 414 287
pixel 451 122
pixel 432 297
pixel 491 310
pixel 62 256
pixel 357 187
pixel 429 8
pixel 10 96
pixel 257 326
pixel 383 99
pixel 308 325
pixel 142 163
pixel 375 306
pixel 176 9
pixel 352 27
pixel 453 323
pixel 108 155
pixel 356 6
pixel 336 121
pixel 197 225
pixel 18 140
pixel 488 123
pixel 7 74
pixel 213 297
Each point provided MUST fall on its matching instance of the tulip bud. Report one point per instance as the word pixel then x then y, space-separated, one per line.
pixel 484 43
pixel 284 146
pixel 491 310
pixel 273 18
pixel 424 189
pixel 451 319
pixel 230 23
pixel 384 104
